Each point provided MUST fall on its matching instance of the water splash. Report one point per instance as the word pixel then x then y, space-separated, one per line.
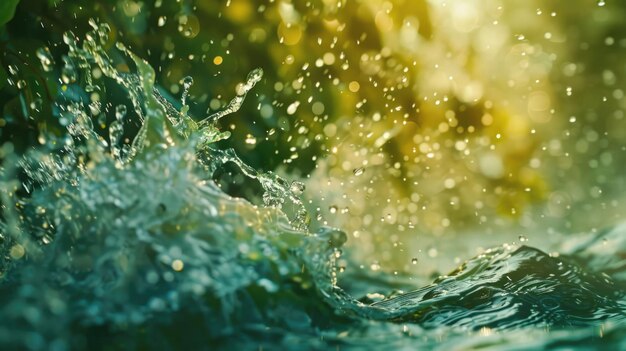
pixel 235 104
pixel 133 242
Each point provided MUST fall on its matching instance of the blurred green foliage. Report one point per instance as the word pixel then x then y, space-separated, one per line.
pixel 218 45
pixel 7 10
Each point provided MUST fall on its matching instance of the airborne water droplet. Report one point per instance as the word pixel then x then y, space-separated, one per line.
pixel 120 112
pixel 116 131
pixel 69 38
pixel 178 265
pixel 297 187
pixel 293 107
pixel 45 57
pixel 358 171
pixel 68 73
pixel 187 83
pixel 242 90
pixel 17 251
pixel 250 139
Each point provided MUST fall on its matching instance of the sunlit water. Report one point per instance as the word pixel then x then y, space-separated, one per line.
pixel 114 244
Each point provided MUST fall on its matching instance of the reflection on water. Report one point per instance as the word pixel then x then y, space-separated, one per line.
pixel 506 288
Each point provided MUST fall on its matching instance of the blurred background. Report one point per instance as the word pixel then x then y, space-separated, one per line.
pixel 427 130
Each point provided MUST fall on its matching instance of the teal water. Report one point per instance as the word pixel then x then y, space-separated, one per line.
pixel 121 241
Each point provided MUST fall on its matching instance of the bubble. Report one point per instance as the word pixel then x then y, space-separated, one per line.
pixel 449 183
pixel 188 26
pixel 17 251
pixel 318 108
pixel 354 86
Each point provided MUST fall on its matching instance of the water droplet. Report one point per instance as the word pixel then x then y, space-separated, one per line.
pixel 120 112
pixel 187 83
pixel 235 104
pixel 250 139
pixel 178 265
pixel 45 57
pixel 522 239
pixel 17 251
pixel 293 107
pixel 116 131
pixel 358 171
pixel 68 73
pixel 432 252
pixel 297 187
pixel 69 38
pixel 414 261
pixel 332 209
